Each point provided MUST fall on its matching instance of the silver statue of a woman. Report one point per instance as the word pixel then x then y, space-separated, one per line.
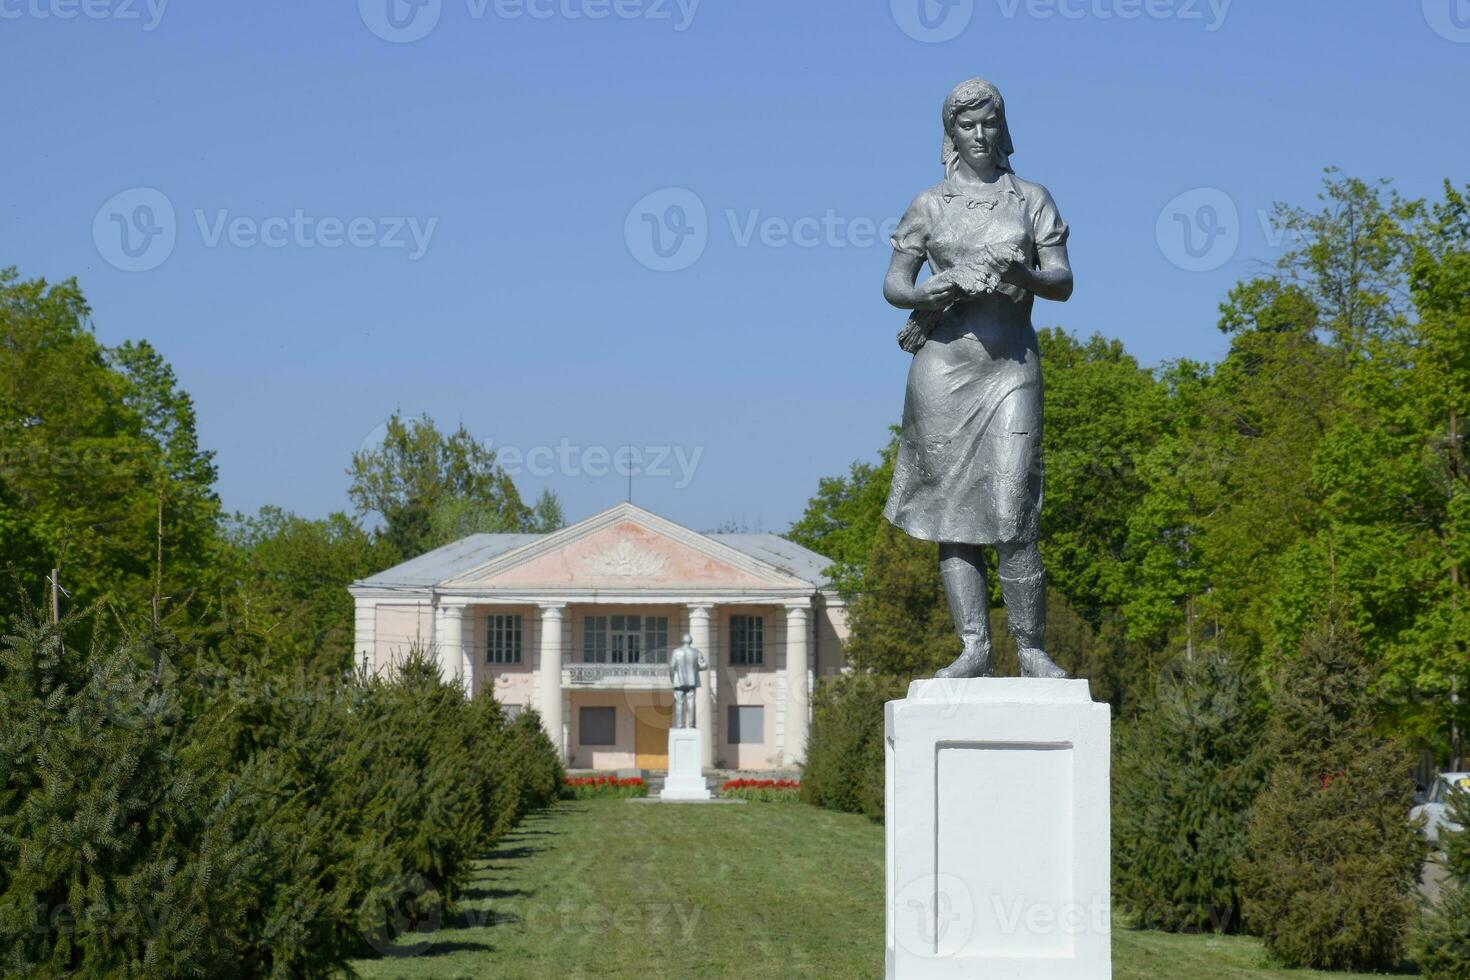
pixel 968 472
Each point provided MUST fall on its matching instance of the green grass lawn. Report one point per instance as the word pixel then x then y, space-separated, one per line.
pixel 606 888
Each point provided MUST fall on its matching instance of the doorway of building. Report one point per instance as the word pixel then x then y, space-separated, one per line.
pixel 651 735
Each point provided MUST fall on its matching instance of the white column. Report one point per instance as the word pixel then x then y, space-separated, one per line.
pixel 365 633
pixel 449 641
pixel 548 675
pixel 469 640
pixel 704 700
pixel 798 626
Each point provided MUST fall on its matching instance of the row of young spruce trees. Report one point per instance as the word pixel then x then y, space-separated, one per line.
pixel 159 822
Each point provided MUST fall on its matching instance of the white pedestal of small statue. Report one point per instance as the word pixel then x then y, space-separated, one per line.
pixel 686 779
pixel 997 830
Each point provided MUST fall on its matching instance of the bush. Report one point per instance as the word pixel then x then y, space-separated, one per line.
pixel 1442 945
pixel 1188 769
pixel 762 790
pixel 1331 861
pixel 844 755
pixel 603 787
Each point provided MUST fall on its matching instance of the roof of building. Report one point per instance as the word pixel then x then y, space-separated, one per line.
pixel 786 555
pixel 433 567
pixel 467 554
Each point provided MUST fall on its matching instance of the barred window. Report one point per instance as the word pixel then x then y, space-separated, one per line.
pixel 502 639
pixel 747 647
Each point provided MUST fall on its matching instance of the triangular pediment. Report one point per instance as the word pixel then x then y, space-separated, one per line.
pixel 625 548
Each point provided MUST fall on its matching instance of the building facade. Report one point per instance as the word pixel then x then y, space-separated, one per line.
pixel 578 624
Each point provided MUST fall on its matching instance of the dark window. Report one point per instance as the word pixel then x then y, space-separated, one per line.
pixel 502 639
pixel 747 647
pixel 598 726
pixel 747 724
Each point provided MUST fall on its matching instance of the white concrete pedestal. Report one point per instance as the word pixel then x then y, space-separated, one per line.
pixel 997 828
pixel 686 778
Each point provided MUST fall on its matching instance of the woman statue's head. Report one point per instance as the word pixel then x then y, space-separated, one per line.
pixel 975 130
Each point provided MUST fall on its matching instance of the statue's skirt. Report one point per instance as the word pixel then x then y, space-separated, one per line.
pixel 969 456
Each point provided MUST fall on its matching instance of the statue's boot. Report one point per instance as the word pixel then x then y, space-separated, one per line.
pixel 1026 613
pixel 962 568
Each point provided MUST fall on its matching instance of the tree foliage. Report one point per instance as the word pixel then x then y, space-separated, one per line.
pixel 1188 769
pixel 1331 862
pixel 845 517
pixel 1442 944
pixel 101 473
pixel 429 488
pixel 844 765
pixel 286 595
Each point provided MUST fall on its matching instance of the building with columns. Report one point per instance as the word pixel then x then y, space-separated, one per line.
pixel 578 624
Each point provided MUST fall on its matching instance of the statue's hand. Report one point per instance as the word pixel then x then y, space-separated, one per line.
pixel 986 270
pixel 1011 264
pixel 936 292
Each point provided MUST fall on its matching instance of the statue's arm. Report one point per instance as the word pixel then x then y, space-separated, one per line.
pixel 703 664
pixel 1050 279
pixel 900 290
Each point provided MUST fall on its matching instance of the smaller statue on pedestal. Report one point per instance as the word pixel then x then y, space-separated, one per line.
pixel 685 663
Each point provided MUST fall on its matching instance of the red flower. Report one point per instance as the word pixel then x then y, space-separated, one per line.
pixel 761 784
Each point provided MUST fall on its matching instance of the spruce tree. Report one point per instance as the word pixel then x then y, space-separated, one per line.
pixel 1331 860
pixel 844 755
pixel 529 770
pixel 115 853
pixel 1188 769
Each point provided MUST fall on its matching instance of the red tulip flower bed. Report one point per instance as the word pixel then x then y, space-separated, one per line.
pixel 762 790
pixel 597 787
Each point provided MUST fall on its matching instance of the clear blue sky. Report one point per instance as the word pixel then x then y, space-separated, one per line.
pixel 529 141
